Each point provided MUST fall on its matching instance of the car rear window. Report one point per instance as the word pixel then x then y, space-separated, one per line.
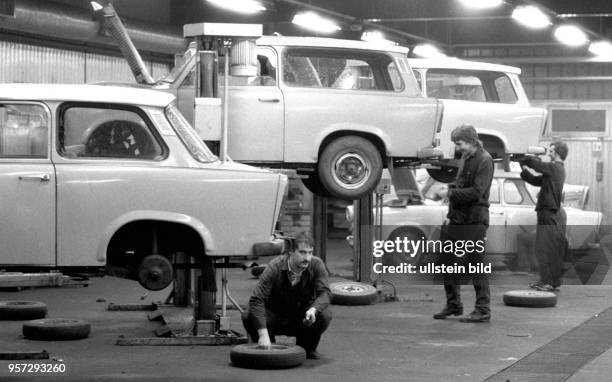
pixel 470 85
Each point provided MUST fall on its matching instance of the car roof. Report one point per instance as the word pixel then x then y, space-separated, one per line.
pixel 456 63
pixel 85 93
pixel 329 43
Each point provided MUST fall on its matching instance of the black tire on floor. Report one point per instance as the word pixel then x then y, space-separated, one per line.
pixel 22 310
pixel 252 356
pixel 56 329
pixel 258 270
pixel 353 293
pixel 350 167
pixel 530 299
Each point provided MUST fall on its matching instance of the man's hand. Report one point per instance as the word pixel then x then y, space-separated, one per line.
pixel 310 317
pixel 264 338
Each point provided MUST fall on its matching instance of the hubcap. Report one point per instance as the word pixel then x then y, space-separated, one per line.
pixel 351 288
pixel 351 170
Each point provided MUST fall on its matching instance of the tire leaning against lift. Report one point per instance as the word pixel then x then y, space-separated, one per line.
pixel 56 329
pixel 352 293
pixel 530 299
pixel 22 310
pixel 253 356
pixel 350 167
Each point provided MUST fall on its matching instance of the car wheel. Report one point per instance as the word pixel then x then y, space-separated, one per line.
pixel 56 329
pixel 155 272
pixel 530 299
pixel 353 293
pixel 444 174
pixel 350 167
pixel 22 310
pixel 394 258
pixel 253 356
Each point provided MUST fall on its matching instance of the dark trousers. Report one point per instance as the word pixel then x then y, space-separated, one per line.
pixel 307 337
pixel 452 283
pixel 550 246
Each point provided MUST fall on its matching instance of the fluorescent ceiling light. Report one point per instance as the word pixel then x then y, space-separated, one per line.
pixel 427 51
pixel 314 22
pixel 240 6
pixel 531 17
pixel 95 5
pixel 481 4
pixel 571 35
pixel 602 49
pixel 376 36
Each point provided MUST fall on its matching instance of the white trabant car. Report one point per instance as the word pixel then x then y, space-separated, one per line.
pixel 338 111
pixel 422 213
pixel 488 96
pixel 94 176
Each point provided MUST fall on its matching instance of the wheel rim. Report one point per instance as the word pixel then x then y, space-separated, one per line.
pixel 351 288
pixel 351 170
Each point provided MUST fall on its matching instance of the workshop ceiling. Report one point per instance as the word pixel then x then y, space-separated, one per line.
pixel 447 23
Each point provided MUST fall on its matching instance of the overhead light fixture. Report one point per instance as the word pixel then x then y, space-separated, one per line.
pixel 314 22
pixel 427 51
pixel 96 6
pixel 602 49
pixel 571 35
pixel 531 17
pixel 377 37
pixel 240 6
pixel 481 4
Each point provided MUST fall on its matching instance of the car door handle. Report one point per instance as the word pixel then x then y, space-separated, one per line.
pixel 270 100
pixel 39 177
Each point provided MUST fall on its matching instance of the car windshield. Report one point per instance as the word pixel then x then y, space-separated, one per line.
pixel 194 144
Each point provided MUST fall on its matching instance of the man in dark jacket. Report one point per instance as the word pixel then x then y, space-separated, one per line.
pixel 550 231
pixel 468 215
pixel 291 298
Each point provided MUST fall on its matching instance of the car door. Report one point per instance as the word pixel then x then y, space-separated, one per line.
pixel 27 185
pixel 256 117
pixel 496 233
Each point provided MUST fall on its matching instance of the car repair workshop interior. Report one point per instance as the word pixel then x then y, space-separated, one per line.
pixel 298 190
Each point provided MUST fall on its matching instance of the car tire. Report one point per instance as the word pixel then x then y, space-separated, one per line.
pixel 257 270
pixel 350 167
pixel 353 293
pixel 22 310
pixel 530 299
pixel 411 234
pixel 56 329
pixel 444 174
pixel 252 356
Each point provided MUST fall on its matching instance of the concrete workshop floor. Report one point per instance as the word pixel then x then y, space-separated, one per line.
pixel 394 341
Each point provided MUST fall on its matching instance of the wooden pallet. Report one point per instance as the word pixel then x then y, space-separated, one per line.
pixel 23 280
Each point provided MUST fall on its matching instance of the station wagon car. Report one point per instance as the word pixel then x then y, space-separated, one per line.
pixel 488 96
pixel 101 176
pixel 338 111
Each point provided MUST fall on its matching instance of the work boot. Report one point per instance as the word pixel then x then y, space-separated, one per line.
pixel 476 316
pixel 545 288
pixel 448 311
pixel 536 284
pixel 313 355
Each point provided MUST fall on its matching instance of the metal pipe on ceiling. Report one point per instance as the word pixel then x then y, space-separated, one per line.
pixel 58 21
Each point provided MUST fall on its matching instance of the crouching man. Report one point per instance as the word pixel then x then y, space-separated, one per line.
pixel 291 299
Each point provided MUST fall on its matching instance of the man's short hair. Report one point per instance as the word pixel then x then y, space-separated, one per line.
pixel 465 133
pixel 304 237
pixel 560 148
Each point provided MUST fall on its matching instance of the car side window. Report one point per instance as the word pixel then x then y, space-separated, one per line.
pixel 505 90
pixel 512 195
pixel 494 192
pixel 266 71
pixel 103 132
pixel 24 131
pixel 460 85
pixel 340 69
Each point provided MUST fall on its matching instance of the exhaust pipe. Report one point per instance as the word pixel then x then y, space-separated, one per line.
pixel 105 12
